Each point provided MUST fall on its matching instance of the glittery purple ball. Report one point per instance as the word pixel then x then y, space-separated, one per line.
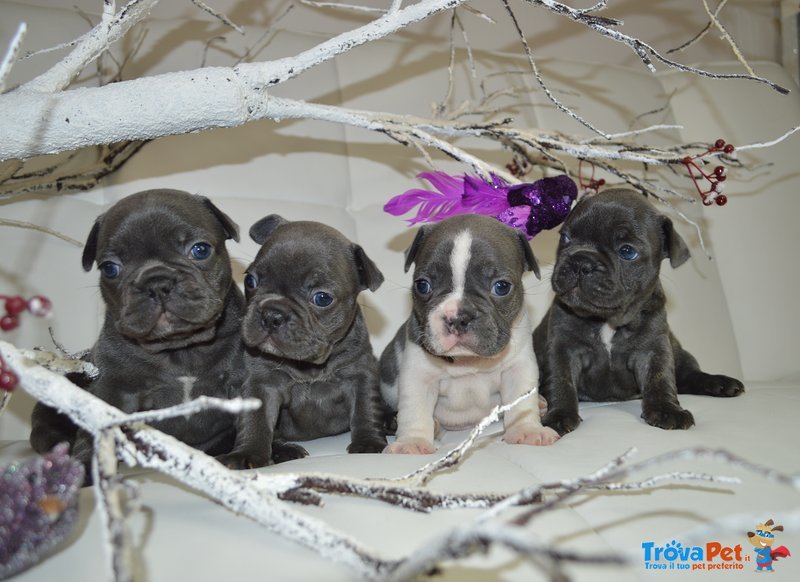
pixel 515 217
pixel 38 507
pixel 549 200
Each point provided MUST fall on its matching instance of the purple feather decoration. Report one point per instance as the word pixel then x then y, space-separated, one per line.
pixel 530 207
pixel 433 206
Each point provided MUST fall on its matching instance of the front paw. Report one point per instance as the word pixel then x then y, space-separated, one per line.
pixel 244 460
pixel 373 445
pixel 414 446
pixel 668 417
pixel 542 406
pixel 561 421
pixel 282 452
pixel 529 434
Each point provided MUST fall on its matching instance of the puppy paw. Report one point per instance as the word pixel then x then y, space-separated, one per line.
pixel 282 452
pixel 717 385
pixel 416 446
pixel 542 406
pixel 374 445
pixel 239 461
pixel 668 417
pixel 528 434
pixel 723 386
pixel 561 422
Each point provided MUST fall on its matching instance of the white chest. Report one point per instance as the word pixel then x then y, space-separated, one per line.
pixel 607 336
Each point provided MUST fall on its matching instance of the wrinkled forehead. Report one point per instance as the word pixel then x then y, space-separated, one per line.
pixel 307 251
pixel 613 219
pixel 148 231
pixel 468 248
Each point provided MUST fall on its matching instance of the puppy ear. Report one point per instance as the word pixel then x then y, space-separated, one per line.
pixel 411 252
pixel 90 248
pixel 230 228
pixel 674 246
pixel 527 252
pixel 777 528
pixel 261 230
pixel 369 275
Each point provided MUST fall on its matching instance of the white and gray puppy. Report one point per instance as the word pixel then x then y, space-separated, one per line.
pixel 467 345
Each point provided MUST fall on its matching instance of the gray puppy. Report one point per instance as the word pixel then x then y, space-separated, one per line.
pixel 466 347
pixel 309 358
pixel 173 312
pixel 606 335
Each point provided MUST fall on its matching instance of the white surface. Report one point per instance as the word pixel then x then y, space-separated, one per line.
pixel 737 313
pixel 186 537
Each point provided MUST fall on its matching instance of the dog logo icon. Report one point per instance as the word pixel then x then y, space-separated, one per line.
pixel 762 541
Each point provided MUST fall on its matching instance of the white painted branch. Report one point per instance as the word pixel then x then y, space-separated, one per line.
pixel 35 122
pixel 11 54
pixel 91 45
pixel 150 448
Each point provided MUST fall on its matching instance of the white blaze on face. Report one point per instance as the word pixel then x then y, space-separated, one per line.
pixel 441 339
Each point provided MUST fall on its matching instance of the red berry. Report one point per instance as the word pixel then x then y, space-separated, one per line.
pixel 15 305
pixel 721 200
pixel 8 380
pixel 719 144
pixel 39 305
pixel 728 149
pixel 722 178
pixel 719 171
pixel 687 160
pixel 8 322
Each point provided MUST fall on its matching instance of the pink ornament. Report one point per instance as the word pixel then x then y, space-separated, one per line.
pixel 40 306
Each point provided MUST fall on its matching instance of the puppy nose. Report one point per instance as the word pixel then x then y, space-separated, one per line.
pixel 460 323
pixel 273 319
pixel 159 287
pixel 585 264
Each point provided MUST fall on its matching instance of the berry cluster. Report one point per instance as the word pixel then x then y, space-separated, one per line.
pixel 713 193
pixel 518 167
pixel 37 305
pixel 8 379
pixel 592 184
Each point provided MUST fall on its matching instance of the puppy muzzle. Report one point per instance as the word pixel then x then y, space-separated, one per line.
pixel 584 279
pixel 276 327
pixel 165 308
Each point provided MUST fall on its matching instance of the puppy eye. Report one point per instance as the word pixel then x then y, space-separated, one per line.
pixel 250 281
pixel 110 270
pixel 423 286
pixel 628 253
pixel 322 299
pixel 564 238
pixel 501 288
pixel 200 251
